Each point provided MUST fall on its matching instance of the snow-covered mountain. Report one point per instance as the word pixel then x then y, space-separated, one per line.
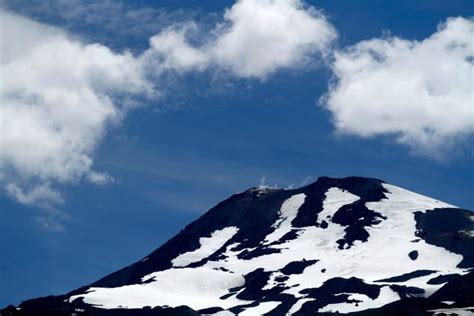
pixel 352 245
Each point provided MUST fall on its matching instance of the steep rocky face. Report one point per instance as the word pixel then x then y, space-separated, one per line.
pixel 352 245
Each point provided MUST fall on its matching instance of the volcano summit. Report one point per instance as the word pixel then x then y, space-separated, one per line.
pixel 352 246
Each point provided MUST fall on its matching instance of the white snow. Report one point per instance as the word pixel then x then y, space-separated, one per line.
pixel 297 306
pixel 272 282
pixel 221 313
pixel 460 311
pixel 384 255
pixel 288 212
pixel 469 233
pixel 335 199
pixel 260 309
pixel 386 296
pixel 209 245
pixel 196 287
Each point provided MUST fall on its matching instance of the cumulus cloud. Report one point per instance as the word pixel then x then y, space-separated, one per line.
pixel 57 97
pixel 421 92
pixel 263 36
pixel 256 39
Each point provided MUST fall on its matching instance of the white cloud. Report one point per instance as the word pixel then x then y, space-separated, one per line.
pixel 172 51
pixel 420 91
pixel 38 195
pixel 16 41
pixel 49 224
pixel 256 39
pixel 262 36
pixel 41 194
pixel 57 97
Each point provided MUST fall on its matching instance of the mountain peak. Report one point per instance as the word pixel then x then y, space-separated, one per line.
pixel 343 245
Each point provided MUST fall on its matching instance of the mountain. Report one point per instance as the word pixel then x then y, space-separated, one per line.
pixel 355 246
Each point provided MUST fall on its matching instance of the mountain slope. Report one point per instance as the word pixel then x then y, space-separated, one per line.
pixel 352 245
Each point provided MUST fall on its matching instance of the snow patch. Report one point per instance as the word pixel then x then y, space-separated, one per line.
pixel 220 313
pixel 469 233
pixel 197 288
pixel 209 245
pixel 386 296
pixel 297 306
pixel 288 212
pixel 335 199
pixel 460 311
pixel 260 309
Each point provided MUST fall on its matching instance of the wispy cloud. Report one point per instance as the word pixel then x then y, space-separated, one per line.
pixel 38 195
pixel 109 22
pixel 48 217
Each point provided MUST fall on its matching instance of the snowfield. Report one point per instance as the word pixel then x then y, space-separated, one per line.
pixel 298 260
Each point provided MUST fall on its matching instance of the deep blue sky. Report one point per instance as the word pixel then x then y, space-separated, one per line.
pixel 214 139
